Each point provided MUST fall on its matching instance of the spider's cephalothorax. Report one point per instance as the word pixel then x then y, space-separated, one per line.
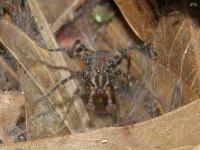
pixel 100 71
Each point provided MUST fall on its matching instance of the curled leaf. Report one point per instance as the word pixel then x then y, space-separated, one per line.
pixel 140 17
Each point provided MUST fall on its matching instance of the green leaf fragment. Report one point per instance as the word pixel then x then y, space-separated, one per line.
pixel 101 14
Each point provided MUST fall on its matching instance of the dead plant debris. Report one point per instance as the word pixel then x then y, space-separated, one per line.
pixel 161 41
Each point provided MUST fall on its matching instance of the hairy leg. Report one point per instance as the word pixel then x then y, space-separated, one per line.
pixel 57 67
pixel 75 51
pixel 90 104
pixel 60 83
pixel 111 107
pixel 118 60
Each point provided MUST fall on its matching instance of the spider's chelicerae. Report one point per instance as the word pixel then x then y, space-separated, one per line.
pixel 100 72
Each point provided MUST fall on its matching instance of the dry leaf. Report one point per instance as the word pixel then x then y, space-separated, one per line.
pixel 164 84
pixel 178 49
pixel 172 130
pixel 41 78
pixel 140 17
pixel 10 103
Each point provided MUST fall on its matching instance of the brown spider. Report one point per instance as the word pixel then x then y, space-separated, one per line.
pixel 100 72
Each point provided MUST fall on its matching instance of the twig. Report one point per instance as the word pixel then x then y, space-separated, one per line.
pixel 66 15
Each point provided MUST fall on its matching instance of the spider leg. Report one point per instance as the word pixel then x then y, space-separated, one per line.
pixel 128 65
pixel 76 43
pixel 60 83
pixel 128 73
pixel 75 51
pixel 56 67
pixel 111 107
pixel 90 104
pixel 117 61
pixel 118 58
pixel 128 78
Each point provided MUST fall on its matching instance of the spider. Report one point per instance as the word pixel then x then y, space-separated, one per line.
pixel 101 71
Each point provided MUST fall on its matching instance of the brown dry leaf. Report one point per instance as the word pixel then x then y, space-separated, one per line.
pixel 140 17
pixel 27 54
pixel 172 130
pixel 10 104
pixel 177 46
pixel 187 147
pixel 172 91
